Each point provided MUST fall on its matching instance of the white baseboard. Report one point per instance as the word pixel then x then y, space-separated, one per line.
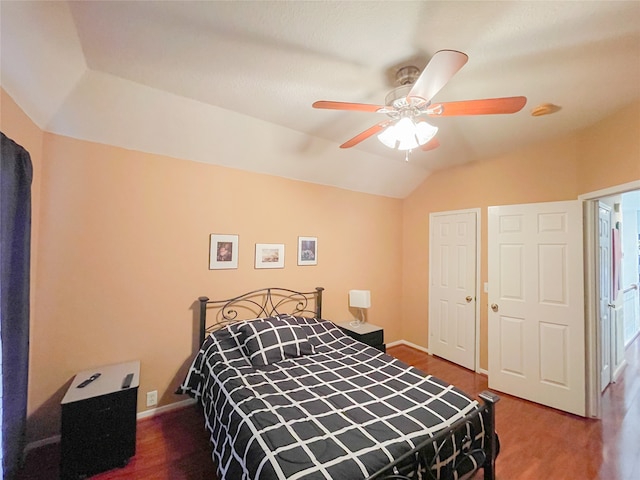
pixel 481 371
pixel 408 344
pixel 139 416
pixel 41 443
pixel 165 408
pixel 618 371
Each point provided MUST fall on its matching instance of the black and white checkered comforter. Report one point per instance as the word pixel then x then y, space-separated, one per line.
pixel 341 412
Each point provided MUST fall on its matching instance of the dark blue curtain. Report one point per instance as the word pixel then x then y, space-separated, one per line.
pixel 15 245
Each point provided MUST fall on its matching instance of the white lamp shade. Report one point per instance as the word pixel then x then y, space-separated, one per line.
pixel 425 132
pixel 407 134
pixel 360 298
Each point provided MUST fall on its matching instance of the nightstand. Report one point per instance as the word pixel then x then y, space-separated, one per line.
pixel 367 333
pixel 99 421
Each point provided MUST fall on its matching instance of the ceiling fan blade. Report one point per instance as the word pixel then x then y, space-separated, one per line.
pixel 487 106
pixel 359 107
pixel 430 145
pixel 443 65
pixel 366 134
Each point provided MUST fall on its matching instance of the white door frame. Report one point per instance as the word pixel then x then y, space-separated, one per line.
pixel 592 335
pixel 478 213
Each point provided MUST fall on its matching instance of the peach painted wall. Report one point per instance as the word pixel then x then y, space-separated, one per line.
pixel 121 242
pixel 610 151
pixel 605 155
pixel 124 251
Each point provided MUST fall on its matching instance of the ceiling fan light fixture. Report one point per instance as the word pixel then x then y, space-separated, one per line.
pixel 407 135
pixel 425 132
pixel 388 137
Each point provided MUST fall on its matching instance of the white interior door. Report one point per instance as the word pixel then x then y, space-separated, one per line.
pixel 604 249
pixel 536 303
pixel 452 287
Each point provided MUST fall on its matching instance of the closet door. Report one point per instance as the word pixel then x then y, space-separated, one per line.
pixel 452 286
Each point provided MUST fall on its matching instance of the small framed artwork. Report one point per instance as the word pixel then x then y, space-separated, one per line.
pixel 223 252
pixel 269 255
pixel 307 250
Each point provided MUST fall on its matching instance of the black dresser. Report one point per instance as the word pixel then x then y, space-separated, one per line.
pixel 367 333
pixel 98 429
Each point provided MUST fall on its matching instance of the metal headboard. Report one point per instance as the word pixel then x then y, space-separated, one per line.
pixel 264 302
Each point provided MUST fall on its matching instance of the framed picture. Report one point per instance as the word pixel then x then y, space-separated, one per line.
pixel 269 255
pixel 307 251
pixel 223 252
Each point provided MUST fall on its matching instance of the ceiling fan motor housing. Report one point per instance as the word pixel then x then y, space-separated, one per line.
pixel 407 75
pixel 402 104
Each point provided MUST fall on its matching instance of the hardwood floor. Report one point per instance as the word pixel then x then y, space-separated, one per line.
pixel 537 442
pixel 170 446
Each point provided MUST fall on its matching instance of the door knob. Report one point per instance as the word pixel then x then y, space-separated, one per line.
pixel 494 307
pixel 469 298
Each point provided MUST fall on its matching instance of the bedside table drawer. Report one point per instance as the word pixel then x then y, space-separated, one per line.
pixel 366 333
pixel 372 338
pixel 109 414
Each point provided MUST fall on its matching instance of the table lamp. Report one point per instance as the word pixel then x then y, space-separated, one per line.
pixel 359 299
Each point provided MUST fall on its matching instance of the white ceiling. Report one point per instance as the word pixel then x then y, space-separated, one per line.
pixel 232 82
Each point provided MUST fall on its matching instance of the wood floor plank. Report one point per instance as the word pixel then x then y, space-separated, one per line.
pixel 537 442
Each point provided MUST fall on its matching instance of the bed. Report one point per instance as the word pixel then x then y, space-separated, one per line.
pixel 287 395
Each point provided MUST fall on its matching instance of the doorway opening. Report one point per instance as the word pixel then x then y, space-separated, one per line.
pixel 611 326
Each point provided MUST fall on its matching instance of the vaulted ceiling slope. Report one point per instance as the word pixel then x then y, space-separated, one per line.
pixel 232 83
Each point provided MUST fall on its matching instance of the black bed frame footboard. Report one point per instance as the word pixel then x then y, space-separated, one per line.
pixel 456 437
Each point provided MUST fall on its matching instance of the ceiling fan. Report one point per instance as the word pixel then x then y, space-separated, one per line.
pixel 407 104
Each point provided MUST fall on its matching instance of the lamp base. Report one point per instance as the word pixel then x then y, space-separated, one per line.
pixel 358 321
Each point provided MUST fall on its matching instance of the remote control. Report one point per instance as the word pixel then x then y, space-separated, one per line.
pixel 126 383
pixel 88 380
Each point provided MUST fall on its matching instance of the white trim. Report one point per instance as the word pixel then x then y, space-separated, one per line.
pixel 478 283
pixel 480 371
pixel 139 416
pixel 165 408
pixel 408 344
pixel 633 339
pixel 618 371
pixel 41 443
pixel 605 192
pixel 591 265
pixel 592 348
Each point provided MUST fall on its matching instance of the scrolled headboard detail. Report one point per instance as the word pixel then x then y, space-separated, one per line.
pixel 265 302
